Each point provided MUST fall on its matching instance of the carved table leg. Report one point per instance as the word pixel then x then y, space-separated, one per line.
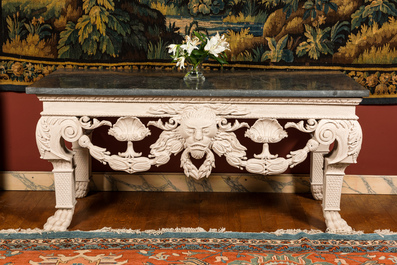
pixel 64 195
pixel 317 171
pixel 82 170
pixel 347 136
pixel 333 180
pixel 50 135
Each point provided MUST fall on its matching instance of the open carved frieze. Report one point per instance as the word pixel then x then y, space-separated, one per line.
pixel 201 132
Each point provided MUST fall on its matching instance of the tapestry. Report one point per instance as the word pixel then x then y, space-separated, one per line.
pixel 201 248
pixel 357 37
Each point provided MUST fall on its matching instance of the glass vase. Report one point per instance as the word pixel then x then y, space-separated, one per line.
pixel 195 73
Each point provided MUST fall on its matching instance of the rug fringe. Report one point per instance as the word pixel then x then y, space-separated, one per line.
pixel 161 231
pixel 385 232
pixel 278 232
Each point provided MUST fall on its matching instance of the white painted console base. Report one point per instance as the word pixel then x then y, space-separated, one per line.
pixel 198 128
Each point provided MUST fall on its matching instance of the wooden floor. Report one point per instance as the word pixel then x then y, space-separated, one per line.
pixel 242 212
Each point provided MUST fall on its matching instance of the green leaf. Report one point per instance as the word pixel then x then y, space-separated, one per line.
pixel 265 56
pixel 116 41
pixel 99 17
pixel 288 56
pixel 121 28
pixel 106 46
pixel 391 9
pixel 68 36
pixel 64 52
pixel 302 49
pixel 357 18
pixel 333 6
pixel 308 5
pixel 87 5
pixel 108 4
pixel 282 43
pixel 272 43
pixel 85 28
pixel 337 28
pixel 90 47
pixel 200 36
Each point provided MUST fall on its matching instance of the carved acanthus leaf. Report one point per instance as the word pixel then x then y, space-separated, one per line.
pixel 43 136
pixel 219 109
pixel 354 140
pixel 311 125
pixel 228 109
pixel 91 124
pixel 226 126
pixel 168 126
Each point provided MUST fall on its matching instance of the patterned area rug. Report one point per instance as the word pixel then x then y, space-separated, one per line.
pixel 174 247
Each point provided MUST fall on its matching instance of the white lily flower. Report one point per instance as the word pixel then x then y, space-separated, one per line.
pixel 172 48
pixel 180 62
pixel 217 45
pixel 190 45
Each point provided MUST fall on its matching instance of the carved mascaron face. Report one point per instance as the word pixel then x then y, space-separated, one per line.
pixel 198 127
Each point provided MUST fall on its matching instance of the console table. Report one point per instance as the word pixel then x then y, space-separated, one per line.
pixel 198 120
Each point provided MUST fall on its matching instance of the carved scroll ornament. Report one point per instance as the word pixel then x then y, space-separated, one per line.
pixel 199 132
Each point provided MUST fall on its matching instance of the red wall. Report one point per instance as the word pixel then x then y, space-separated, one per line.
pixel 20 112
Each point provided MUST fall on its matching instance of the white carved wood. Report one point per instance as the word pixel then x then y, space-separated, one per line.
pixel 348 138
pixel 82 163
pixel 317 171
pixel 51 132
pixel 198 128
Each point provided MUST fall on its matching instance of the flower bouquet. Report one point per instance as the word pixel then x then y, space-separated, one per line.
pixel 197 49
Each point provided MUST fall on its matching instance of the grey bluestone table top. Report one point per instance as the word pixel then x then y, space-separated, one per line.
pixel 239 83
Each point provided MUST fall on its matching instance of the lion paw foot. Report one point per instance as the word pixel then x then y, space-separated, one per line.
pixel 81 189
pixel 335 223
pixel 60 221
pixel 317 191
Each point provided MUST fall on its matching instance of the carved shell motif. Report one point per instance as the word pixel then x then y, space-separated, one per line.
pixel 129 129
pixel 266 131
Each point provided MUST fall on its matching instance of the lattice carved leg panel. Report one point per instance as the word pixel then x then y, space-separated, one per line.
pixel 64 195
pixel 82 163
pixel 333 181
pixel 317 171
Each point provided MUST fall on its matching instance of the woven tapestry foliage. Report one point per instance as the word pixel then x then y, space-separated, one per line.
pixel 356 36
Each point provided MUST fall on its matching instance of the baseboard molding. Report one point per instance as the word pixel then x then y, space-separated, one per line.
pixel 177 182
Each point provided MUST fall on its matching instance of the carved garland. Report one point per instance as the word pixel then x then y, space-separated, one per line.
pixel 201 131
